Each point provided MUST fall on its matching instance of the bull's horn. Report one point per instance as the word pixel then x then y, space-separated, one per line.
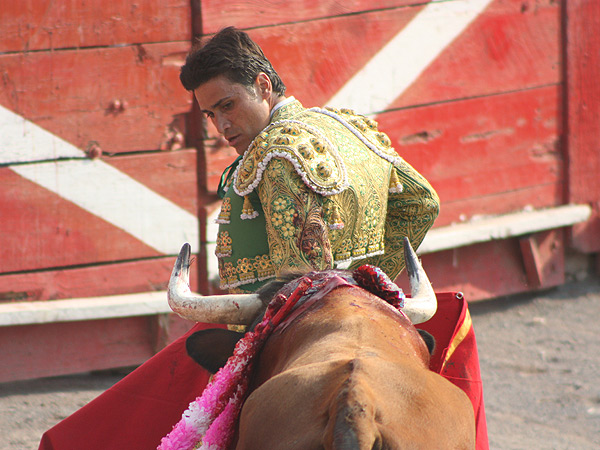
pixel 422 304
pixel 240 309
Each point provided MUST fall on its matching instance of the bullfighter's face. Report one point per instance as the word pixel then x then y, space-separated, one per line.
pixel 238 112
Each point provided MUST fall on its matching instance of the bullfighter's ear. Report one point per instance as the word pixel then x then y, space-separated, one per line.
pixel 211 348
pixel 429 340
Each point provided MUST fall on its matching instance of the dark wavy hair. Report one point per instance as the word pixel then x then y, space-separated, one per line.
pixel 232 53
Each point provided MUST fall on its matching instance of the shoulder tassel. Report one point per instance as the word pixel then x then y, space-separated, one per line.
pixel 395 185
pixel 248 211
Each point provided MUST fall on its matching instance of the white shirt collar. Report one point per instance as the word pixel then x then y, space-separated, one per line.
pixel 281 104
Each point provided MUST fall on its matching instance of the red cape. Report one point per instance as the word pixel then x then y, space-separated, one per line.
pixel 456 357
pixel 145 405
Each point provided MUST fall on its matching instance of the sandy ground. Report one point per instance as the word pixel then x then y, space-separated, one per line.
pixel 540 362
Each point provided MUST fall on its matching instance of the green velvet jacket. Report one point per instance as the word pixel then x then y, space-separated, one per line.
pixel 318 189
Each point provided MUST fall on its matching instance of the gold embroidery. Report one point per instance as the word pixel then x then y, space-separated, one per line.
pixel 225 213
pixel 324 204
pixel 245 271
pixel 223 244
pixel 311 153
pixel 264 268
pixel 297 233
pixel 411 213
pixel 335 219
pixel 395 185
pixel 248 211
pixel 368 128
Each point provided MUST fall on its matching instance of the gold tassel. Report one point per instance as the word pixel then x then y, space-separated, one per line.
pixel 395 185
pixel 225 213
pixel 335 223
pixel 248 211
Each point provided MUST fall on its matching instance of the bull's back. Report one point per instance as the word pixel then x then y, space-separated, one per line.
pixel 357 404
pixel 337 380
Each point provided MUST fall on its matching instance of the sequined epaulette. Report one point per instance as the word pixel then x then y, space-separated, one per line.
pixel 313 156
pixel 365 129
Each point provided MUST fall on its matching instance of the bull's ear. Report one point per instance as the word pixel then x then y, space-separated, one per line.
pixel 211 348
pixel 429 340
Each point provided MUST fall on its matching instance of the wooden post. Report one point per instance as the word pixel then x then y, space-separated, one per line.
pixel 582 115
pixel 543 258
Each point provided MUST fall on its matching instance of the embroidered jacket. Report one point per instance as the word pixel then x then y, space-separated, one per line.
pixel 316 189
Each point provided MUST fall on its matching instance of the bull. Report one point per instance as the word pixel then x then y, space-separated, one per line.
pixel 343 370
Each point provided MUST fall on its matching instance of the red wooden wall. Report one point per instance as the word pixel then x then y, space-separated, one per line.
pixel 82 80
pixel 105 169
pixel 582 112
pixel 493 120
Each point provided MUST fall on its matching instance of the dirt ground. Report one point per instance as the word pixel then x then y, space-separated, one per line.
pixel 540 363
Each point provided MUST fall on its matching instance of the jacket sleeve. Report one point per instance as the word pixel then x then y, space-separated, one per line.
pixel 297 234
pixel 410 213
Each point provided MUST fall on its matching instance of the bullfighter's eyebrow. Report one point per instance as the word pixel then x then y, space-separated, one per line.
pixel 216 105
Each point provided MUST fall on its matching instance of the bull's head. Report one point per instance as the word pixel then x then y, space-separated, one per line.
pixel 242 309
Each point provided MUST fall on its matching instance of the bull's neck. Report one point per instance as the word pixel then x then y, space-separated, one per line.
pixel 346 324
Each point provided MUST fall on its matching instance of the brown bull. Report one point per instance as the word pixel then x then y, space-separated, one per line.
pixel 345 371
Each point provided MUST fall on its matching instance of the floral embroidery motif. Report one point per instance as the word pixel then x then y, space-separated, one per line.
pixel 280 204
pixel 223 245
pixel 245 271
pixel 264 268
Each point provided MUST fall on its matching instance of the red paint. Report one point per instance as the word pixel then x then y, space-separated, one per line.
pixel 503 50
pixel 543 258
pixel 217 14
pixel 171 174
pixel 45 24
pixel 477 153
pixel 484 271
pixel 144 275
pixel 34 351
pixel 582 116
pixel 71 102
pixel 42 230
pixel 316 59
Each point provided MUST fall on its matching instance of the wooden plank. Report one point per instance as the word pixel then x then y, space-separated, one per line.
pixel 531 60
pixel 33 351
pixel 107 193
pixel 40 229
pixel 253 13
pixel 79 309
pixel 504 226
pixel 170 174
pixel 481 271
pixel 582 115
pixel 43 24
pixel 543 257
pixel 75 106
pixel 56 349
pixel 474 149
pixel 535 197
pixel 98 280
pixel 512 45
pixel 314 68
